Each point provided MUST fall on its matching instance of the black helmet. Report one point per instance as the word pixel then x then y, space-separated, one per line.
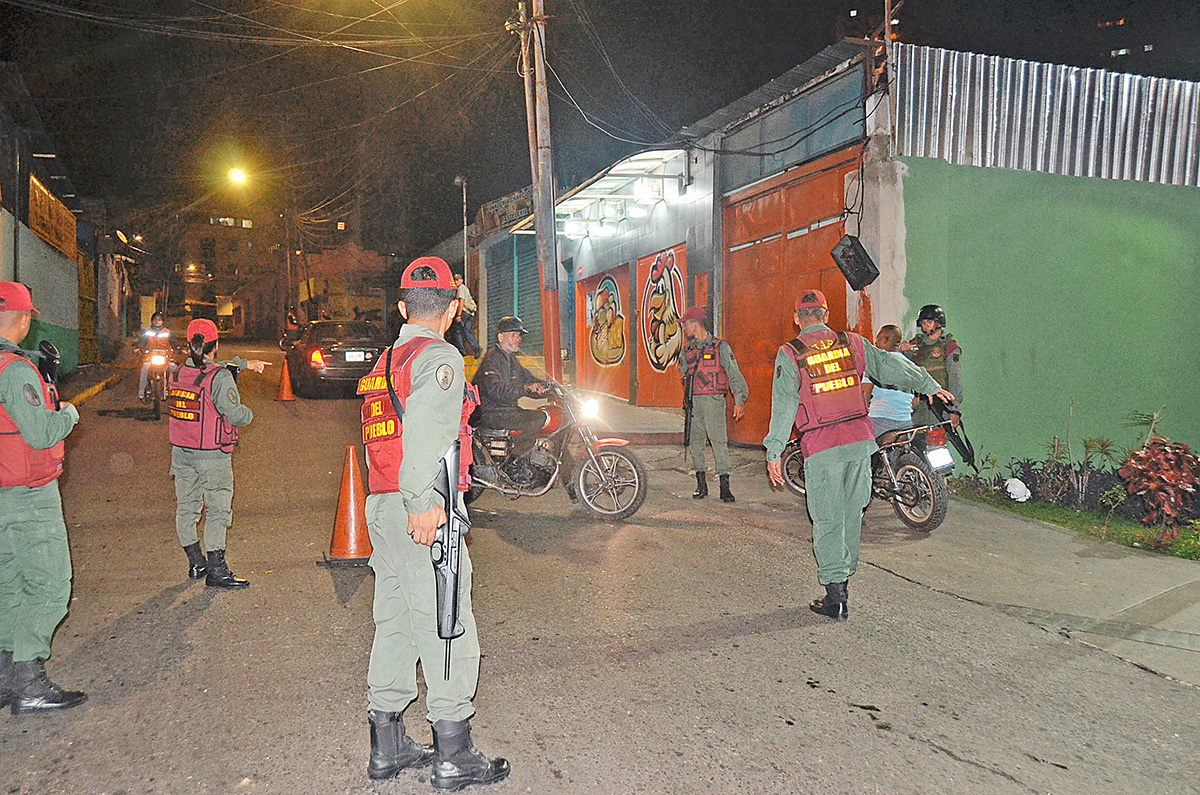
pixel 932 312
pixel 510 323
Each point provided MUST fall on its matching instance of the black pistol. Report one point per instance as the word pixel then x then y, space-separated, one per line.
pixel 48 361
pixel 446 551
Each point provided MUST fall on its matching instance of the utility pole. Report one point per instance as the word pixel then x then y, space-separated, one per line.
pixel 462 180
pixel 537 108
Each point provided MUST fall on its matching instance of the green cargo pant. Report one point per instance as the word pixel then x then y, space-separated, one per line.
pixel 203 480
pixel 35 570
pixel 838 491
pixel 708 424
pixel 406 622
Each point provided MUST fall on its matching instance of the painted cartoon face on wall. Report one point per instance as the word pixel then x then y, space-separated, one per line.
pixel 606 342
pixel 661 327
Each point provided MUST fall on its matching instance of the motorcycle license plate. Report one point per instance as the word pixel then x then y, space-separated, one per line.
pixel 939 457
pixel 356 356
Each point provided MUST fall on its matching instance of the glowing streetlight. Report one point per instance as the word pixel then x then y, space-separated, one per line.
pixel 237 176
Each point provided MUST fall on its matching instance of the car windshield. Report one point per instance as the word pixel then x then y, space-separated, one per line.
pixel 344 332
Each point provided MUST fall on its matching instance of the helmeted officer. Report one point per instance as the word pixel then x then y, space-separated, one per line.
pixel 35 561
pixel 205 411
pixel 818 388
pixel 156 338
pixel 710 367
pixel 934 349
pixel 404 454
pixel 502 380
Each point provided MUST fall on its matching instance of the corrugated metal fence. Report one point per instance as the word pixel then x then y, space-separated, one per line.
pixel 996 112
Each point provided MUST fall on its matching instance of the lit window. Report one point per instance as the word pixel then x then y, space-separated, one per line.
pixel 1147 47
pixel 341 226
pixel 247 223
pixel 854 12
pixel 1120 52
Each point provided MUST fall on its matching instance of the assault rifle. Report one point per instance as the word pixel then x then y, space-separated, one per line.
pixel 688 383
pixel 47 365
pixel 446 551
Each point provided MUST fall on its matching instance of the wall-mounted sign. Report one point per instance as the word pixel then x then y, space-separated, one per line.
pixel 50 219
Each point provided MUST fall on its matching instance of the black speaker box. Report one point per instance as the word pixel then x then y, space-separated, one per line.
pixel 854 262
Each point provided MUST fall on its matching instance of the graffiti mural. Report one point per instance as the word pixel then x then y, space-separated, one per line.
pixel 662 302
pixel 606 340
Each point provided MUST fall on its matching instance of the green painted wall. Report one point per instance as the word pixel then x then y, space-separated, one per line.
pixel 66 340
pixel 1060 288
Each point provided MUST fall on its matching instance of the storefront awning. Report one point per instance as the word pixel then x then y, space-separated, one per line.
pixel 624 192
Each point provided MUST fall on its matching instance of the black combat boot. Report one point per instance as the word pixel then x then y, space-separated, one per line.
pixel 726 494
pixel 34 692
pixel 6 678
pixel 392 750
pixel 457 764
pixel 701 487
pixel 219 575
pixel 833 603
pixel 198 566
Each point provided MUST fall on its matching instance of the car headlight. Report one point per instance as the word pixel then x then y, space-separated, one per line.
pixel 158 359
pixel 590 409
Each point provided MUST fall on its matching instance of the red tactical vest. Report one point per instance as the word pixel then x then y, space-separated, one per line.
pixel 831 367
pixel 194 421
pixel 20 464
pixel 704 364
pixel 382 430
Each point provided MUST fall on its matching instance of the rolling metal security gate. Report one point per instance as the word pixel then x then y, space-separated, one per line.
pixel 513 289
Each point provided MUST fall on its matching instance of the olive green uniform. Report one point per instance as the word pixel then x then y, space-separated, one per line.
pixel 708 412
pixel 35 560
pixel 405 609
pixel 204 478
pixel 838 480
pixel 945 369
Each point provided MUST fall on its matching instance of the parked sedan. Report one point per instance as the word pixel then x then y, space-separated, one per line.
pixel 335 353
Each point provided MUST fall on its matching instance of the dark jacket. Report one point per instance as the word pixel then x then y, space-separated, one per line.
pixel 501 379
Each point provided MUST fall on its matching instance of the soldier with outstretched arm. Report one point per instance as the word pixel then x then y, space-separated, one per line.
pixel 818 388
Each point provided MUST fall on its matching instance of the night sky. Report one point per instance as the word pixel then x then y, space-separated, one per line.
pixel 153 103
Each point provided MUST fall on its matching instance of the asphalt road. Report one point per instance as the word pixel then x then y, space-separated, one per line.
pixel 671 654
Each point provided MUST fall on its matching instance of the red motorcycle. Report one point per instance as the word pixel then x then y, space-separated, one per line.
pixel 606 477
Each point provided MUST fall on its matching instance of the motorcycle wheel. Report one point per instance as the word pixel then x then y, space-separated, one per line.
pixel 617 489
pixel 921 503
pixel 793 470
pixel 157 389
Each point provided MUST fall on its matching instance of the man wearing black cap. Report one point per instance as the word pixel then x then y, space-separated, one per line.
pixel 404 512
pixel 818 388
pixel 711 371
pixel 502 380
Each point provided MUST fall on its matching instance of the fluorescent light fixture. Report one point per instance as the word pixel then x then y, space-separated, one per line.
pixel 637 211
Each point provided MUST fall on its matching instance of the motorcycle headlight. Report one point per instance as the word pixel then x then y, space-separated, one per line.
pixel 158 360
pixel 939 457
pixel 590 409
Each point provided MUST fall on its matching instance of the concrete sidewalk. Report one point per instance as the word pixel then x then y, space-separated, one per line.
pixel 1138 605
pixel 1141 606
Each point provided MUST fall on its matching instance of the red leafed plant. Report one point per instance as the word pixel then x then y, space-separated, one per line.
pixel 1166 476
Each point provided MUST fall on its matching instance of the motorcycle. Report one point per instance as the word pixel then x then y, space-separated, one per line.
pixel 909 471
pixel 605 477
pixel 159 357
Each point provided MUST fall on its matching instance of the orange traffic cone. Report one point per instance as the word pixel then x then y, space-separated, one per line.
pixel 285 383
pixel 350 545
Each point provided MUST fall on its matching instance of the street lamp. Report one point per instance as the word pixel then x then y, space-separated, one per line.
pixel 237 176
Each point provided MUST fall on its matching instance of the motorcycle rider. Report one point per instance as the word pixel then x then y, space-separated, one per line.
pixel 501 380
pixel 156 338
pixel 818 388
pixel 934 349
